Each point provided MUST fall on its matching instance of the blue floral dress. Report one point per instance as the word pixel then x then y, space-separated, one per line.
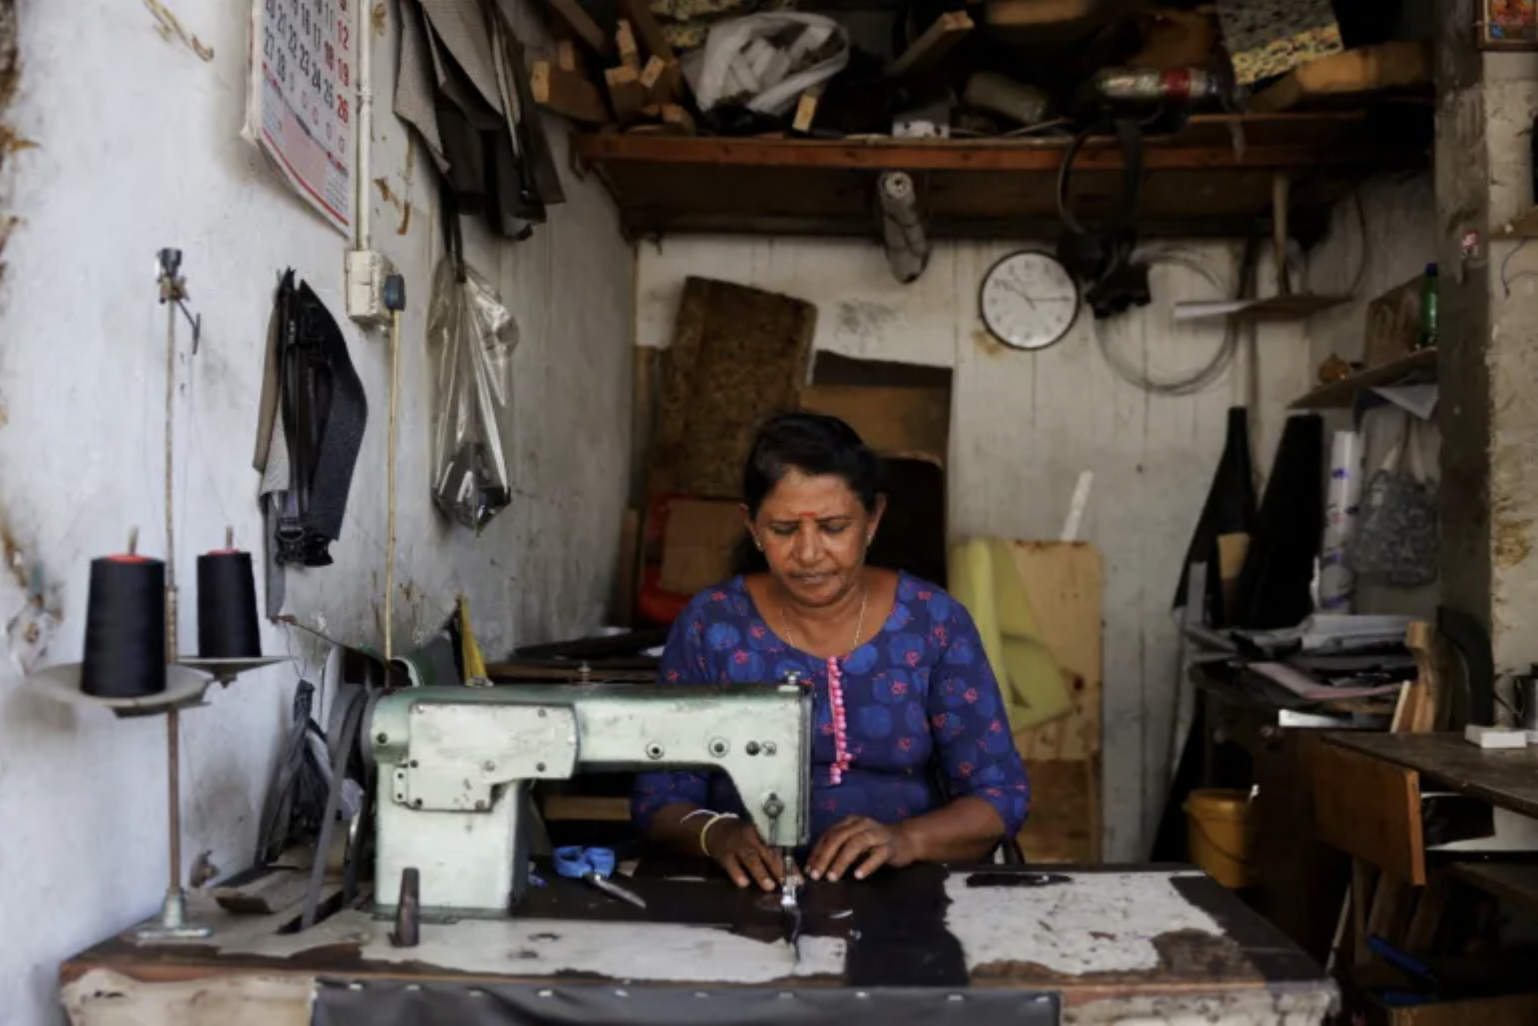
pixel 918 696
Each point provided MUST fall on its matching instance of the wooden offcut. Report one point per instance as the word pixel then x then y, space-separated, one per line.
pixel 1393 324
pixel 697 544
pixel 895 421
pixel 737 355
pixel 625 44
pixel 806 110
pixel 660 79
pixel 626 94
pixel 647 29
pixel 567 93
pixel 930 48
pixel 575 17
pixel 1351 75
pixel 1065 582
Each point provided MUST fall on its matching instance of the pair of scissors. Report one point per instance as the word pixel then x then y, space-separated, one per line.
pixel 595 865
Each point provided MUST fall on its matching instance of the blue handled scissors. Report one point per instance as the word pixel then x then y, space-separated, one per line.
pixel 595 865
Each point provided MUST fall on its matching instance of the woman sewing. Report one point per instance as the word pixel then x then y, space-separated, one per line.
pixel 900 683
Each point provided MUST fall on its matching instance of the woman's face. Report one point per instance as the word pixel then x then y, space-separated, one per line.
pixel 814 533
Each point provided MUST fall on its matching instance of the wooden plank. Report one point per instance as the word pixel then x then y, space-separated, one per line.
pixel 1394 65
pixel 697 544
pixel 1064 583
pixel 567 93
pixel 806 110
pixel 889 420
pixel 1312 143
pixel 648 29
pixel 625 44
pixel 1516 1010
pixel 931 47
pixel 1424 700
pixel 1370 809
pixel 1393 324
pixel 566 55
pixel 1506 779
pixel 1513 882
pixel 1341 394
pixel 660 79
pixel 575 17
pixel 1427 920
pixel 626 94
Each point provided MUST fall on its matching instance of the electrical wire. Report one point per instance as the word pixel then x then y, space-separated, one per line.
pixel 1222 358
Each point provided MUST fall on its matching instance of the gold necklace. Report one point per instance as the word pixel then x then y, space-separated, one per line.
pixel 859 626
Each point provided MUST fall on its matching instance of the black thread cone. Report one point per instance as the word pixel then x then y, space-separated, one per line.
pixel 227 624
pixel 125 628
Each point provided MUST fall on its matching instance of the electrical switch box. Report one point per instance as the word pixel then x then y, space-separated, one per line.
pixel 365 276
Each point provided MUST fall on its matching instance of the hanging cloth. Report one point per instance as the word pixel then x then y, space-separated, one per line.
pixel 312 416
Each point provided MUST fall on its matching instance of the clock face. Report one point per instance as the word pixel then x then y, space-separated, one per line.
pixel 1028 300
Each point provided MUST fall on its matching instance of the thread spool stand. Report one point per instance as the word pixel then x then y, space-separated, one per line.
pixel 187 680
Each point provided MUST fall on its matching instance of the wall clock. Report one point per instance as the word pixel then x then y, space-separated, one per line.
pixel 1028 300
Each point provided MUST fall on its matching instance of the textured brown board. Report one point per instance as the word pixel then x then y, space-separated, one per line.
pixel 1062 812
pixel 738 355
pixel 697 544
pixel 894 421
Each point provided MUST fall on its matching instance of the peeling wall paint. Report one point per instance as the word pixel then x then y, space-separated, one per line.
pixel 1024 425
pixel 82 385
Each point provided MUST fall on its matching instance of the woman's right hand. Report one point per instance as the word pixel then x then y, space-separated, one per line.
pixel 737 847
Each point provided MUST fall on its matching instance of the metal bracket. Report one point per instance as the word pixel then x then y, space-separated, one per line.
pixel 173 289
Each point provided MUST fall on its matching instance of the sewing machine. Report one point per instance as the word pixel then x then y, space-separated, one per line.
pixel 455 765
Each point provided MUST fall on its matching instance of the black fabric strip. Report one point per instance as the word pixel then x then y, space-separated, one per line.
pixel 899 937
pixel 1275 957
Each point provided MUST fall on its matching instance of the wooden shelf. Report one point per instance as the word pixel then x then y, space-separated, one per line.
pixel 1513 882
pixel 1294 307
pixel 1336 395
pixel 1211 178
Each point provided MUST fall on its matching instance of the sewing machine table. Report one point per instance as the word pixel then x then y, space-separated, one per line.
pixel 921 945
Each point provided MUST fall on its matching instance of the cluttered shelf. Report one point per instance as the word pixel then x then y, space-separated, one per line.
pixel 1214 176
pixel 1418 366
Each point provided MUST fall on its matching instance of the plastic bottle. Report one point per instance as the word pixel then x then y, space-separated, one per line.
pixel 1428 334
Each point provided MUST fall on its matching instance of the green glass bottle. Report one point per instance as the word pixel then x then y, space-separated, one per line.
pixel 1428 333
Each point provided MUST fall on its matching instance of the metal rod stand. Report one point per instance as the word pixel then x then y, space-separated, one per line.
pixel 172 924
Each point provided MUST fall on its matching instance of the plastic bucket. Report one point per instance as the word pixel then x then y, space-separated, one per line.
pixel 1217 833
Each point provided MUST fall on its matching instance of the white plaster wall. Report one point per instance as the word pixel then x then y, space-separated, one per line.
pixel 1025 425
pixel 138 148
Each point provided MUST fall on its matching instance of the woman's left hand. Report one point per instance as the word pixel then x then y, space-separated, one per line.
pixel 859 839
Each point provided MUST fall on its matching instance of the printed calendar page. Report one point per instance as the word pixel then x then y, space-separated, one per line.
pixel 301 108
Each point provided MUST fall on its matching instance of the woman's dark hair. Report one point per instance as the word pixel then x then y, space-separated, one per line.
pixel 814 444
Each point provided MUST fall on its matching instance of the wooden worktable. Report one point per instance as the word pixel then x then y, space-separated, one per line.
pixel 1506 779
pixel 1155 943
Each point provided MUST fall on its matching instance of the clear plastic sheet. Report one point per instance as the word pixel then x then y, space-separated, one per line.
pixel 472 335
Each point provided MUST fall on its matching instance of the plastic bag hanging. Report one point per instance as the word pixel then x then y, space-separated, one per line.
pixel 473 336
pixel 1397 540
